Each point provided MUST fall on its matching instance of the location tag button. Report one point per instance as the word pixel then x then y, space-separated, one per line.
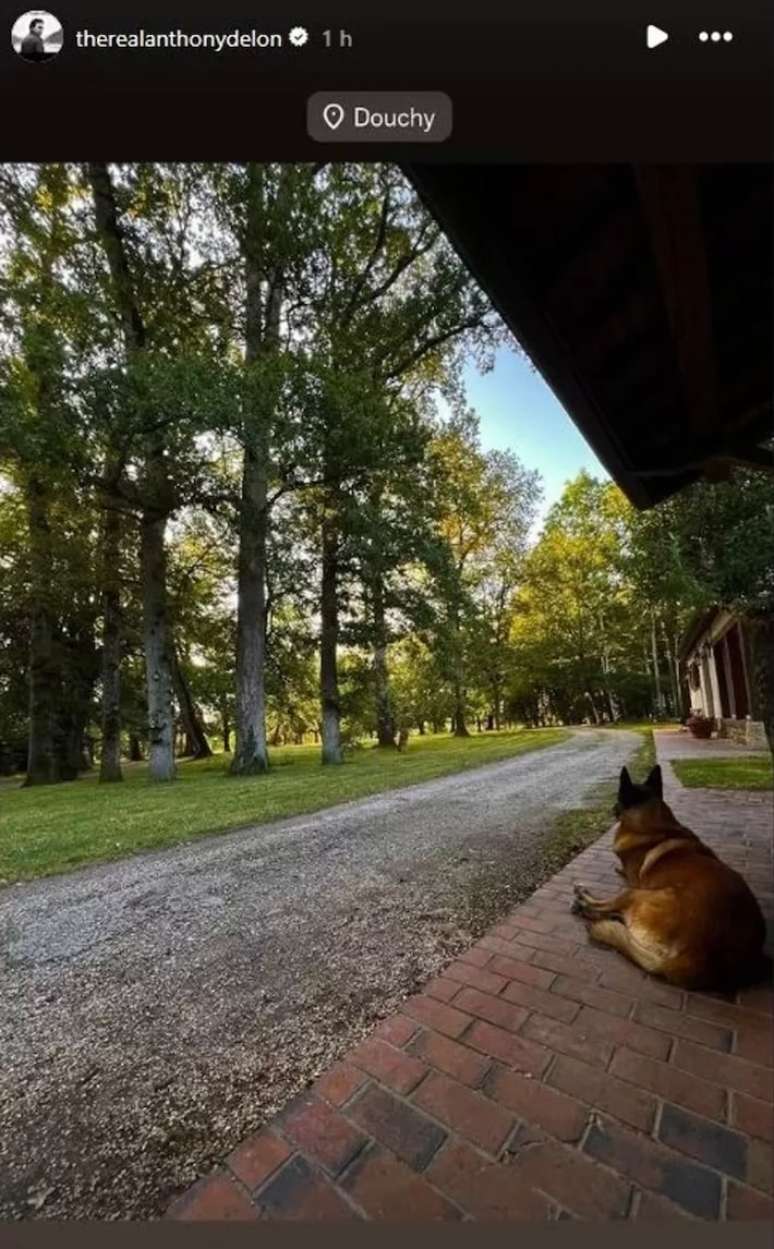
pixel 379 117
pixel 333 115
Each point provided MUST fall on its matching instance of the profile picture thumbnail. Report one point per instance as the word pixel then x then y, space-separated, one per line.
pixel 37 36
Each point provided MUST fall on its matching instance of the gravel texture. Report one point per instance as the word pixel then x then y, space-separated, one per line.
pixel 153 1012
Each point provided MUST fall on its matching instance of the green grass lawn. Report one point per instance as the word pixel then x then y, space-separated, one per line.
pixel 735 772
pixel 55 828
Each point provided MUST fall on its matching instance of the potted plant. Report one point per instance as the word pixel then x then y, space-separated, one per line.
pixel 699 725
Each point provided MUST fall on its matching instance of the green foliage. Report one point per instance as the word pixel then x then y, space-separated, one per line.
pixel 316 318
pixel 713 544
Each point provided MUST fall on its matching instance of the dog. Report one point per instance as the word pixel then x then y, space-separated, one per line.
pixel 685 915
pixel 403 737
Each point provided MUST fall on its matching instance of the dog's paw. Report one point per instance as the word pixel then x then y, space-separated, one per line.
pixel 580 901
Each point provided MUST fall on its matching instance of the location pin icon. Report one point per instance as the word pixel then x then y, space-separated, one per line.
pixel 333 115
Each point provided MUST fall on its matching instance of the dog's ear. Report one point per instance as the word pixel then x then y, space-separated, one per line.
pixel 625 788
pixel 655 782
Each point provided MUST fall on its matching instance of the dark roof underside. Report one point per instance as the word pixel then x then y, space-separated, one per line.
pixel 697 626
pixel 642 294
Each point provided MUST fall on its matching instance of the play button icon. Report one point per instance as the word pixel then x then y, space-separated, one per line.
pixel 655 35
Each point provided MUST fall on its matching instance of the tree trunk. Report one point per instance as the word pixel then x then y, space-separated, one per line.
pixel 684 704
pixel 459 727
pixel 135 749
pixel 674 682
pixel 385 722
pixel 87 753
pixel 262 333
pixel 44 746
pixel 197 746
pixel 79 674
pixel 250 753
pixel 329 637
pixel 610 710
pixel 226 727
pixel 497 708
pixel 656 673
pixel 158 668
pixel 110 759
pixel 611 702
pixel 594 711
pixel 111 238
pixel 75 752
pixel 158 504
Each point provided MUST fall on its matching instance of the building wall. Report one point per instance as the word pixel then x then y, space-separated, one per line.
pixel 747 732
pixel 723 691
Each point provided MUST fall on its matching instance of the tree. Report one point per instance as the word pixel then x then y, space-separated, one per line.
pixel 40 444
pixel 166 397
pixel 485 504
pixel 157 502
pixel 266 219
pixel 199 585
pixel 393 307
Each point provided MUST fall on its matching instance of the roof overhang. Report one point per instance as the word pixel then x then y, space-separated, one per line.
pixel 643 295
pixel 695 630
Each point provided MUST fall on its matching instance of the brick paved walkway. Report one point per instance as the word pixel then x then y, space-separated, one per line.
pixel 539 1077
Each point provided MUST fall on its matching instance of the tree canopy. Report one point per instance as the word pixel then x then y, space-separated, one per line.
pixel 244 502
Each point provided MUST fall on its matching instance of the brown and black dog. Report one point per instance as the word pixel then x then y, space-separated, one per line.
pixel 685 915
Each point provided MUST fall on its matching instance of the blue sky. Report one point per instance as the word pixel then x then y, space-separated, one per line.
pixel 519 412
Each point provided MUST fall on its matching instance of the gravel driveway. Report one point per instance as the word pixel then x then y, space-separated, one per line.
pixel 155 1011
